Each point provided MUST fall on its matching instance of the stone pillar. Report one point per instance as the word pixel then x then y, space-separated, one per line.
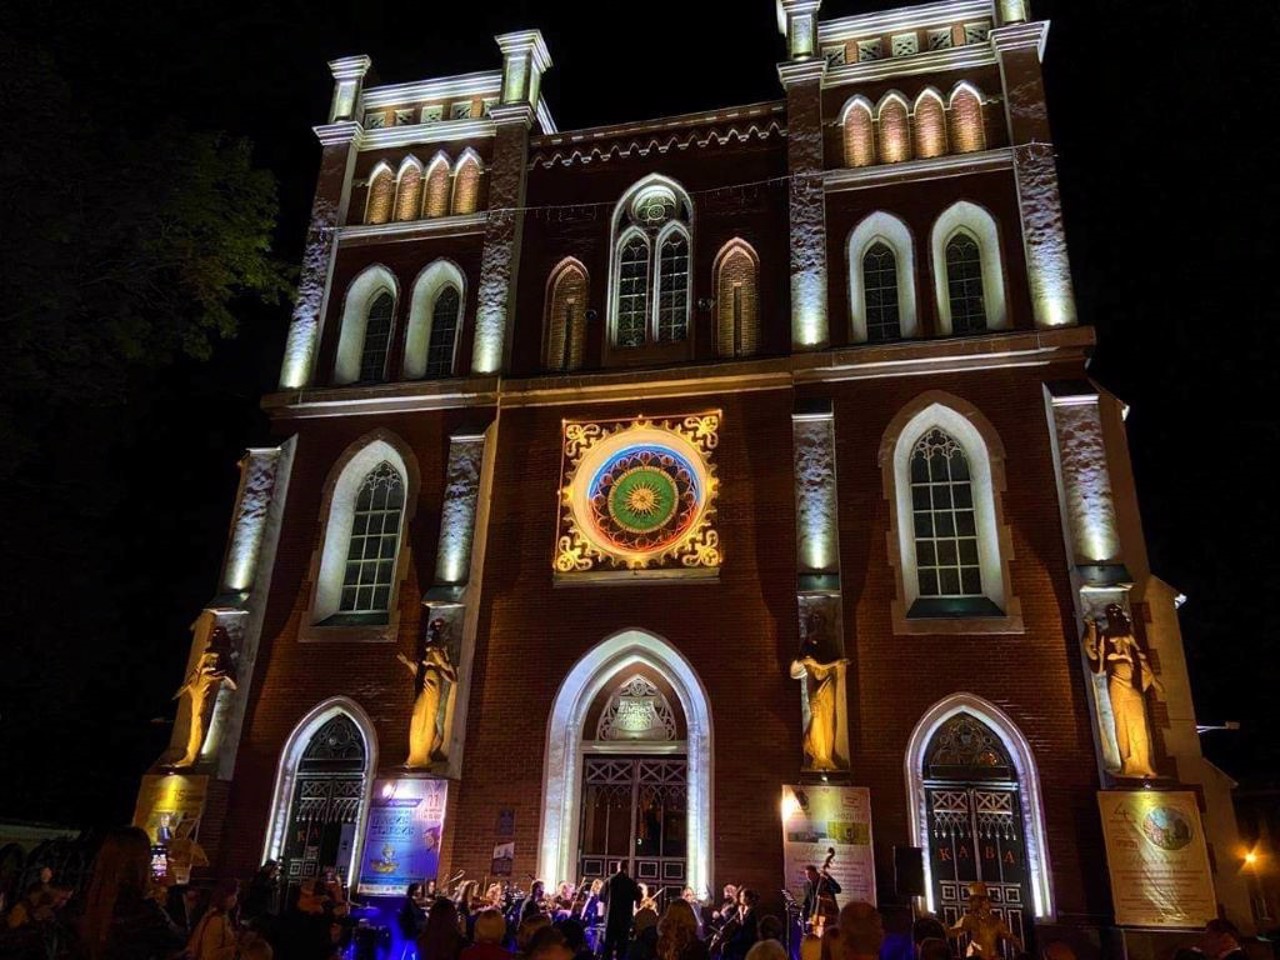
pixel 1018 48
pixel 231 625
pixel 454 594
pixel 525 58
pixel 802 80
pixel 338 140
pixel 818 594
pixel 1090 531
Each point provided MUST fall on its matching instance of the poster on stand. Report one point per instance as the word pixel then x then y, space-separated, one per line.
pixel 170 805
pixel 402 839
pixel 1157 858
pixel 818 819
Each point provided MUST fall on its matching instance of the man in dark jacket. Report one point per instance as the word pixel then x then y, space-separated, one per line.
pixel 621 894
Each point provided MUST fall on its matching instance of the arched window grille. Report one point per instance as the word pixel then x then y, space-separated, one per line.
pixel 673 289
pixel 444 332
pixel 964 285
pixel 880 290
pixel 946 535
pixel 633 291
pixel 375 540
pixel 377 338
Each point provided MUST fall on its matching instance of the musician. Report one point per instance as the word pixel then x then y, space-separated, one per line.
pixel 621 896
pixel 728 908
pixel 533 903
pixel 820 891
pixel 691 898
pixel 747 923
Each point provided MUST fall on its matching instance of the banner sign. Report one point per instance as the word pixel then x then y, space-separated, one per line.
pixel 402 839
pixel 1157 858
pixel 819 818
pixel 504 855
pixel 170 806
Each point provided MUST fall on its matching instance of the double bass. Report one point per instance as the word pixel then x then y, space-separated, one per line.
pixel 825 907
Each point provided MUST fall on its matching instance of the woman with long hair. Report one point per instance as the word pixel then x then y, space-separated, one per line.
pixel 216 937
pixel 120 921
pixel 678 933
pixel 440 939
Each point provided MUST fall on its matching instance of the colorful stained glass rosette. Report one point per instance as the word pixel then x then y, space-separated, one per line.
pixel 638 495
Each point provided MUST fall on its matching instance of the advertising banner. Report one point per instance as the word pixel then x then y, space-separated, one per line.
pixel 170 806
pixel 818 819
pixel 402 839
pixel 1157 858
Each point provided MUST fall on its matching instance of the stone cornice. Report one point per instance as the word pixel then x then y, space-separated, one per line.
pixel 802 71
pixel 343 131
pixel 512 113
pixel 933 61
pixel 438 132
pixel 350 68
pixel 455 226
pixel 952 165
pixel 1021 36
pixel 530 40
pixel 867 361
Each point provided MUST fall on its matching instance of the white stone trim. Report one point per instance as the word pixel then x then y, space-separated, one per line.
pixel 426 288
pixel 471 85
pixel 361 292
pixel 1028 784
pixel 931 168
pixel 442 131
pixel 454 225
pixel 338 514
pixel 287 771
pixel 562 771
pixel 965 217
pixel 902 18
pixel 895 234
pixel 967 57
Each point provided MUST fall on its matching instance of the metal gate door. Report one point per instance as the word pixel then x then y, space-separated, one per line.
pixel 634 809
pixel 975 833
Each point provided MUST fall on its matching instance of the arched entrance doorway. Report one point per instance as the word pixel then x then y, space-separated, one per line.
pixel 628 767
pixel 975 822
pixel 321 797
pixel 975 798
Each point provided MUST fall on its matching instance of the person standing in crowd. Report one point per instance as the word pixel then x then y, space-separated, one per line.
pixel 748 931
pixel 861 931
pixel 678 934
pixel 533 902
pixel 529 930
pixel 689 896
pixel 215 937
pixel 182 904
pixel 440 938
pixel 412 917
pixel 644 946
pixel 575 938
pixel 263 897
pixel 304 928
pixel 767 950
pixel 490 931
pixel 1222 941
pixel 119 921
pixel 621 895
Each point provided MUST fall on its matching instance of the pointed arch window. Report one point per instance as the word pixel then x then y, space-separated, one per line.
pixel 651 280
pixel 737 301
pixel 466 184
pixel 382 191
pixel 566 317
pixel 409 191
pixel 377 338
pixel 633 291
pixel 444 332
pixel 880 293
pixel 438 181
pixel 859 134
pixel 946 533
pixel 965 285
pixel 673 287
pixel 374 544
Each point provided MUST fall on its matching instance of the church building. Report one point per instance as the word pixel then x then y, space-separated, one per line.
pixel 635 487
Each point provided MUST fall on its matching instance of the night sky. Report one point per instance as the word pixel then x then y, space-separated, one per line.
pixel 1164 126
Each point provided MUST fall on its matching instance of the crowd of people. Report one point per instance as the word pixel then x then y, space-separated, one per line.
pixel 125 914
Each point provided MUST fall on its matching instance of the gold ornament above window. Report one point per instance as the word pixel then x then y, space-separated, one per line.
pixel 638 495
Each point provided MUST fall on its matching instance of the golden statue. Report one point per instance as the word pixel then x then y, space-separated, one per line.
pixel 425 731
pixel 1113 651
pixel 984 928
pixel 200 689
pixel 822 683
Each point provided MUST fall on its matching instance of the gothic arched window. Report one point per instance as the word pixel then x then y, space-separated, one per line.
pixel 946 533
pixel 566 316
pixel 374 543
pixel 737 300
pixel 444 332
pixel 964 285
pixel 651 279
pixel 880 292
pixel 377 338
